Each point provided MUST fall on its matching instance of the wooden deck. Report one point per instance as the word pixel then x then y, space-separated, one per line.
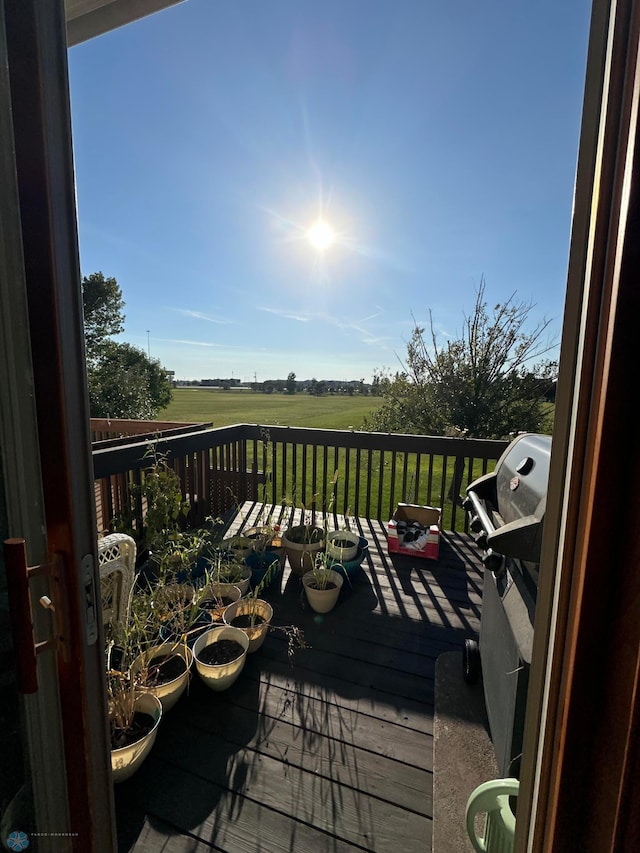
pixel 332 754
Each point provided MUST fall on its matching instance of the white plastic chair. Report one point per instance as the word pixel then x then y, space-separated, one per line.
pixel 117 564
pixel 492 799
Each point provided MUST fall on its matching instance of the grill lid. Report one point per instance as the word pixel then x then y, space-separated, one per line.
pixel 509 504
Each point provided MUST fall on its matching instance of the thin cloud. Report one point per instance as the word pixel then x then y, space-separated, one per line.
pixel 198 315
pixel 371 341
pixel 371 316
pixel 301 318
pixel 194 343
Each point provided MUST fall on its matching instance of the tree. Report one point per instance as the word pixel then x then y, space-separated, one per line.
pixel 481 385
pixel 123 382
pixel 291 383
pixel 317 388
pixel 102 305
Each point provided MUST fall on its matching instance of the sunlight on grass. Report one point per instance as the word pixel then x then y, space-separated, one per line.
pixel 234 407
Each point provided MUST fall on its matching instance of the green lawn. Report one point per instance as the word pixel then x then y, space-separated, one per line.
pixel 233 407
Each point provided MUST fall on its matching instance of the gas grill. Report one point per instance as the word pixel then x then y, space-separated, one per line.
pixel 506 515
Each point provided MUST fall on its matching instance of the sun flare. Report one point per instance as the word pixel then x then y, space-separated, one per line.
pixel 321 236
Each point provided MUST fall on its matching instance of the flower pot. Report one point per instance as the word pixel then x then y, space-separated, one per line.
pixel 243 611
pixel 215 597
pixel 264 537
pixel 172 597
pixel 127 759
pixel 239 574
pixel 169 691
pixel 342 545
pixel 183 620
pixel 323 600
pixel 263 563
pixel 220 676
pixel 301 544
pixel 239 546
pixel 350 568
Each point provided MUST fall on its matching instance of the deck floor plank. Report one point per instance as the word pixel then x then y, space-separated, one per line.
pixel 334 753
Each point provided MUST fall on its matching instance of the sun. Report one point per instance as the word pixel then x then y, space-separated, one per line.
pixel 321 235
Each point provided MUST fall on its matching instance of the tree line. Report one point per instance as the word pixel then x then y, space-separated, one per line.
pixel 489 382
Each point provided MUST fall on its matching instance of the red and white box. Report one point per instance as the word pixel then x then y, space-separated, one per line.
pixel 427 546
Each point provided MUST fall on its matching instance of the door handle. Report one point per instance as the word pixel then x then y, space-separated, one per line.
pixel 25 646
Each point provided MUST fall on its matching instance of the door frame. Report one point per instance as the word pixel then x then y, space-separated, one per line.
pixel 45 235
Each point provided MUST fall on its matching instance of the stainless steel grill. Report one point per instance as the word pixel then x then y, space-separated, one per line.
pixel 506 516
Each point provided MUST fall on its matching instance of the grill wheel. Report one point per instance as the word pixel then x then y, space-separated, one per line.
pixel 470 661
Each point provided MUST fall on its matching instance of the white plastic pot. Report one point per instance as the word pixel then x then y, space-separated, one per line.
pixel 168 692
pixel 244 582
pixel 127 759
pixel 322 600
pixel 216 592
pixel 246 606
pixel 220 676
pixel 342 553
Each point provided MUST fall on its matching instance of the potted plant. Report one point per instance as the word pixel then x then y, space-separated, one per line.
pixel 178 559
pixel 163 669
pixel 226 568
pixel 265 567
pixel 220 654
pixel 160 492
pixel 215 596
pixel 267 547
pixel 301 544
pixel 238 547
pixel 342 545
pixel 151 649
pixel 134 718
pixel 253 616
pixel 322 585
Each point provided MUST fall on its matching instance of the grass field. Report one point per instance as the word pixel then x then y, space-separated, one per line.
pixel 235 407
pixel 224 408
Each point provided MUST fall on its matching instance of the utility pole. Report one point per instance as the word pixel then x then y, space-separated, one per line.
pixel 148 345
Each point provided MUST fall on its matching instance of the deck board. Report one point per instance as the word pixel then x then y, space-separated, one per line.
pixel 334 753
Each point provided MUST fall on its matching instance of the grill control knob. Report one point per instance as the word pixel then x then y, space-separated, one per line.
pixel 467 504
pixel 481 539
pixel 475 524
pixel 494 562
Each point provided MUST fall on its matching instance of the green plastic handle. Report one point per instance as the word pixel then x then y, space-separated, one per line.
pixel 492 798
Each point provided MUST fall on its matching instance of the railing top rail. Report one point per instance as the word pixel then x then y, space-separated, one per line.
pixel 437 444
pixel 180 429
pixel 136 426
pixel 131 455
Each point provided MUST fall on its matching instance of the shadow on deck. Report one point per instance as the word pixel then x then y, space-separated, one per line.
pixel 332 754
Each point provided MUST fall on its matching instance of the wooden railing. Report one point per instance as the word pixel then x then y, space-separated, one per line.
pixel 343 471
pixel 107 429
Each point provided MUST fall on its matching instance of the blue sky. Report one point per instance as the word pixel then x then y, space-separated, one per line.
pixel 438 141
